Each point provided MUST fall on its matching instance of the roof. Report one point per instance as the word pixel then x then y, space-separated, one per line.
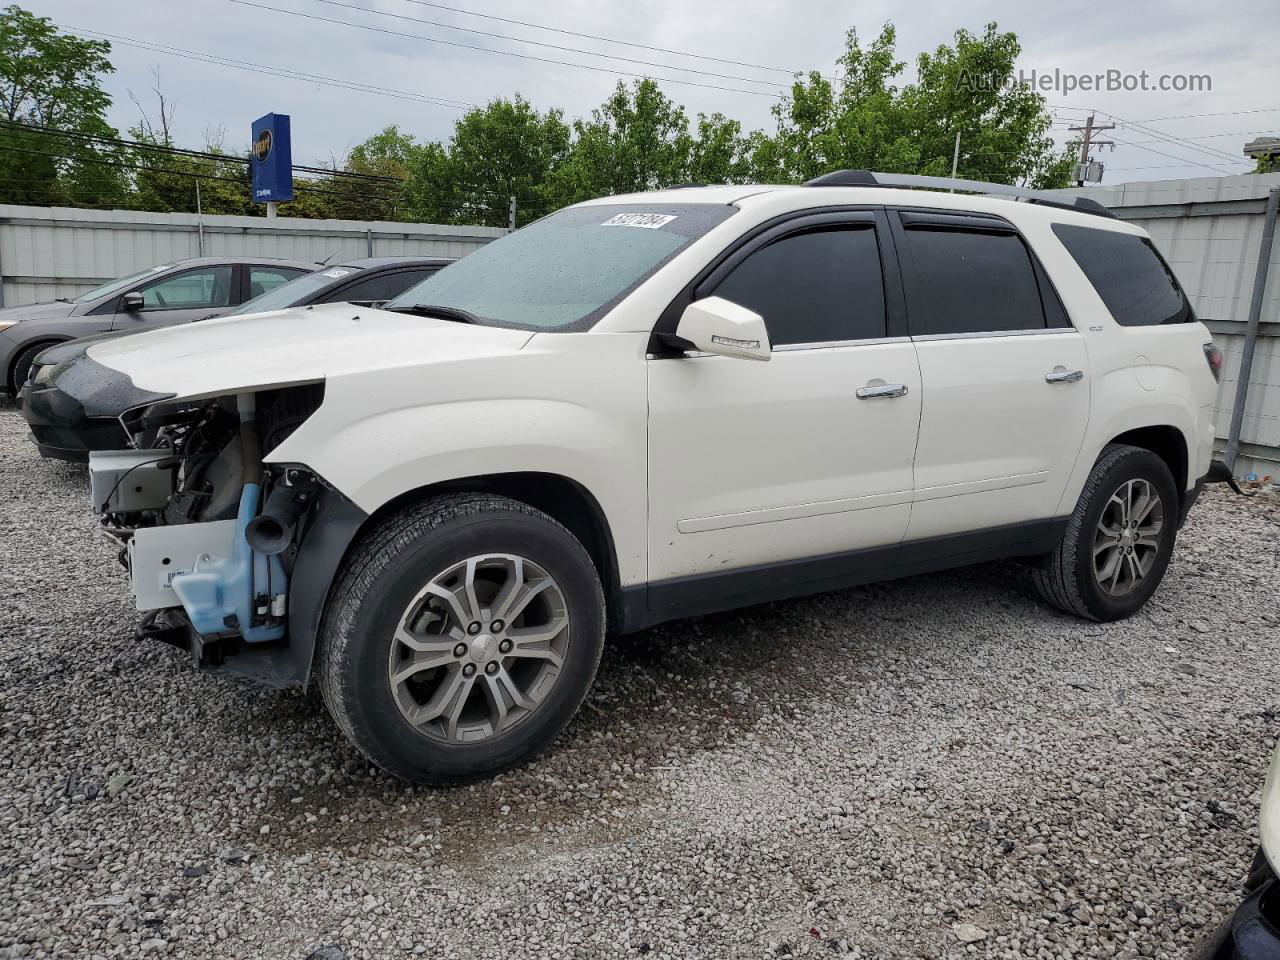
pixel 267 261
pixel 377 263
pixel 866 187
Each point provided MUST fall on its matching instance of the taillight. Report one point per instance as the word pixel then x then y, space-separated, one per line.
pixel 1214 357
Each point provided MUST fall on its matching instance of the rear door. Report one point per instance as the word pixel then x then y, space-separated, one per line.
pixel 1004 376
pixel 263 278
pixel 754 464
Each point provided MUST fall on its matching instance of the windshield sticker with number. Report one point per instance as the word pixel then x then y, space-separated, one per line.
pixel 648 221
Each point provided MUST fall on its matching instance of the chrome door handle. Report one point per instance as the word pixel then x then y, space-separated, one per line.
pixel 884 390
pixel 1064 376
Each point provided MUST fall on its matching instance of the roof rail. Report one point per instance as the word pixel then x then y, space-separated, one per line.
pixel 867 178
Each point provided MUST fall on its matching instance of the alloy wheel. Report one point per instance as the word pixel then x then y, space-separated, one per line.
pixel 1126 542
pixel 479 648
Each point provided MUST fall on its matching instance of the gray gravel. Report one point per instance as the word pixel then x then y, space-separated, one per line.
pixel 936 767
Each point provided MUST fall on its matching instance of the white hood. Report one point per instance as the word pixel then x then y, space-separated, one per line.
pixel 297 345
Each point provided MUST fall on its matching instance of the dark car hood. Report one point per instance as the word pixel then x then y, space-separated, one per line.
pixel 62 352
pixel 36 311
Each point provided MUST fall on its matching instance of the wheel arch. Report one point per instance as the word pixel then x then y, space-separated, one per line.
pixel 1167 442
pixel 43 343
pixel 340 525
pixel 562 498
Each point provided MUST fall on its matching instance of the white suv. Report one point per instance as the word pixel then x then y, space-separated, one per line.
pixel 440 508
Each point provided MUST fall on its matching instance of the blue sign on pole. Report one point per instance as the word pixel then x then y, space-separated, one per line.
pixel 272 159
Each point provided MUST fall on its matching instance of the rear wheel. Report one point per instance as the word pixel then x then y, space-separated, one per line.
pixel 1119 540
pixel 461 637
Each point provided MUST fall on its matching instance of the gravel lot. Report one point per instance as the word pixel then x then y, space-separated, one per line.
pixel 936 767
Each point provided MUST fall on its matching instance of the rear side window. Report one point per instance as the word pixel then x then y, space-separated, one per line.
pixel 964 281
pixel 265 279
pixel 382 287
pixel 817 287
pixel 1130 276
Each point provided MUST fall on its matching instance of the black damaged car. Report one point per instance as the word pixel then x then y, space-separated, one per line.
pixel 71 411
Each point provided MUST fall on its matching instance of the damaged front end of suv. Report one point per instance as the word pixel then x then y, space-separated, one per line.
pixel 212 537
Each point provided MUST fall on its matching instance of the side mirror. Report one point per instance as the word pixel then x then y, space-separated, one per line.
pixel 716 325
pixel 132 302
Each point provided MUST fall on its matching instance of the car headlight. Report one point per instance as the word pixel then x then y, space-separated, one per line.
pixel 42 374
pixel 6 324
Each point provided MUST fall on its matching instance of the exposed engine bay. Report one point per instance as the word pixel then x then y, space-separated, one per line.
pixel 209 533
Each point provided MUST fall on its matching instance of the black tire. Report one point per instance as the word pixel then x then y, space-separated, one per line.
pixel 380 579
pixel 1066 578
pixel 21 368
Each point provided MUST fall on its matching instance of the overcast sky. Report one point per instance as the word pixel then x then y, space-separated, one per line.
pixel 1233 42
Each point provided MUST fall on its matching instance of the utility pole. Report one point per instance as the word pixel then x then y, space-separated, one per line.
pixel 199 220
pixel 955 159
pixel 512 219
pixel 1089 129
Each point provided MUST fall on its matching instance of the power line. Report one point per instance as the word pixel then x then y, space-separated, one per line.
pixel 1167 138
pixel 539 43
pixel 1187 162
pixel 181 151
pixel 1214 136
pixel 502 53
pixel 1176 141
pixel 283 72
pixel 190 174
pixel 1224 113
pixel 592 36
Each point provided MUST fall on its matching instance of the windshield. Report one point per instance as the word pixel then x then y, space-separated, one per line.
pixel 563 272
pixel 113 286
pixel 298 290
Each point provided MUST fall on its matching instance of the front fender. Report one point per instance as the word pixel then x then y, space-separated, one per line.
pixel 577 412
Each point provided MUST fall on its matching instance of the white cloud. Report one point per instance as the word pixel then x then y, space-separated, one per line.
pixel 1160 38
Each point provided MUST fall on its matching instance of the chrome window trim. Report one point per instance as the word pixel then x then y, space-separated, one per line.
pixel 982 335
pixel 788 347
pixel 826 344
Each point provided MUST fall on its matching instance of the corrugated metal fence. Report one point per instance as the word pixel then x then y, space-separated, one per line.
pixel 48 252
pixel 1209 230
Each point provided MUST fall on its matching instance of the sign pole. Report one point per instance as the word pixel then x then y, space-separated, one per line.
pixel 271 209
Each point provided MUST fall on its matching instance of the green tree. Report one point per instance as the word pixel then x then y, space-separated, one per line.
pixel 389 153
pixel 719 153
pixel 168 183
pixel 49 79
pixel 502 150
pixel 638 139
pixel 969 89
pixel 866 121
pixel 176 183
pixel 856 123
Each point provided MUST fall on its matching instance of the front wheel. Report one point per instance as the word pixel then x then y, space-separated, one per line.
pixel 21 370
pixel 1119 541
pixel 461 637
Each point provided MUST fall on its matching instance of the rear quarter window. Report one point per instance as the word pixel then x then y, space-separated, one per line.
pixel 1129 274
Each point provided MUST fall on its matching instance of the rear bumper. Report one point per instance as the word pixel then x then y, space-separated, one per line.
pixel 61 428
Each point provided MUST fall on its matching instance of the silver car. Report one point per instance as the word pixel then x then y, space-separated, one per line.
pixel 156 297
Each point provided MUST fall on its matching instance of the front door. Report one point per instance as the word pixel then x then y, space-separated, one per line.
pixel 808 454
pixel 180 297
pixel 1004 373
